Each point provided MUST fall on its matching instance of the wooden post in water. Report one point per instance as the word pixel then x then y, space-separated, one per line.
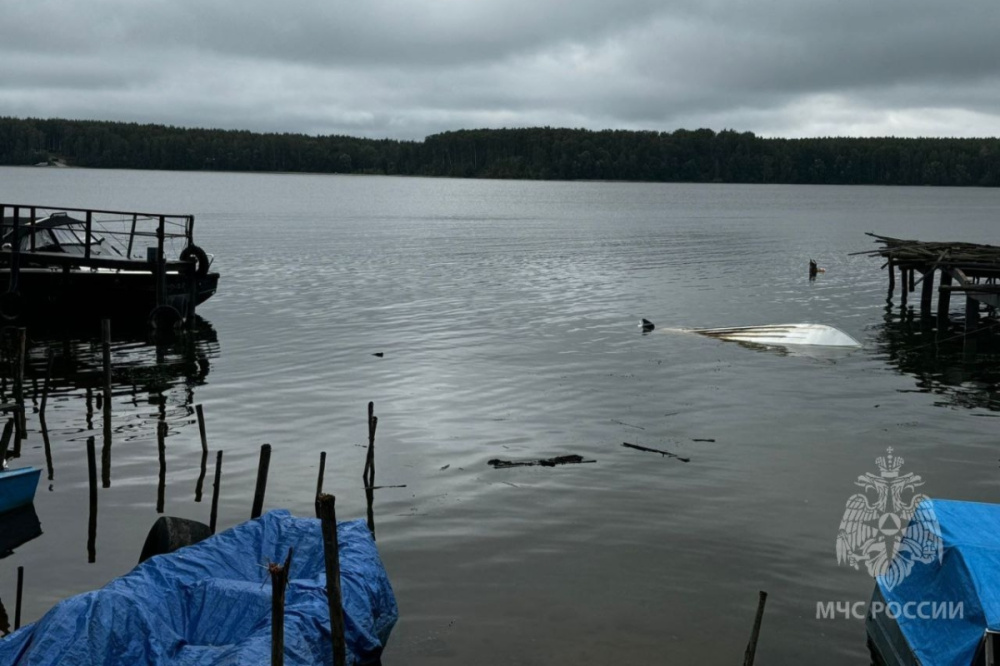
pixel 204 453
pixel 751 652
pixel 971 317
pixel 215 492
pixel 279 581
pixel 892 278
pixel 326 510
pixel 262 467
pixel 904 290
pixel 912 281
pixel 161 446
pixel 92 478
pixel 322 471
pixel 944 299
pixel 927 293
pixel 106 411
pixel 18 598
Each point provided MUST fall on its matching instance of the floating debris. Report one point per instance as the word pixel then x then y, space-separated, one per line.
pixel 627 425
pixel 379 354
pixel 646 325
pixel 496 463
pixel 702 439
pixel 668 454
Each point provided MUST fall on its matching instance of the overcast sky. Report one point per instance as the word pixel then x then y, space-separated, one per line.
pixel 408 68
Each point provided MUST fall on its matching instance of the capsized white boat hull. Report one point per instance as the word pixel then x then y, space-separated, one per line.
pixel 816 335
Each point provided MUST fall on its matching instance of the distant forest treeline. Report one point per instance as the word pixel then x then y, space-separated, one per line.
pixel 535 153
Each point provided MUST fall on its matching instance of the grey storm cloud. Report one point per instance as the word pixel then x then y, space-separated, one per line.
pixel 409 68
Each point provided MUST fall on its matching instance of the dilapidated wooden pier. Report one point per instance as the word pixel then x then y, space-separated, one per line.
pixel 971 270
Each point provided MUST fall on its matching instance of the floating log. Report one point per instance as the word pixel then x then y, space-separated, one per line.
pixel 668 454
pixel 572 459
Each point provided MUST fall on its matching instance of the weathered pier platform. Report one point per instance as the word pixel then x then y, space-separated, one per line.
pixel 970 269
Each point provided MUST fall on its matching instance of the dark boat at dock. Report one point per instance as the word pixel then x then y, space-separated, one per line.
pixel 74 262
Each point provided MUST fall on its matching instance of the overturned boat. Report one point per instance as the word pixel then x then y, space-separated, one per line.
pixel 80 262
pixel 816 335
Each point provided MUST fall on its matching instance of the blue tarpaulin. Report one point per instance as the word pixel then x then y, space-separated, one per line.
pixel 960 593
pixel 210 604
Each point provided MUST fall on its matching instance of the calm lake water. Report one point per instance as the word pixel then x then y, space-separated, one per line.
pixel 507 315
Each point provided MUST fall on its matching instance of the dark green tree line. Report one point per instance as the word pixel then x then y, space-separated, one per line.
pixel 542 153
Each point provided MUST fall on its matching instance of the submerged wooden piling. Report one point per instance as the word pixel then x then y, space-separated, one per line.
pixel 904 290
pixel 21 429
pixel 326 510
pixel 215 492
pixel 279 581
pixel 892 278
pixel 927 293
pixel 944 299
pixel 92 523
pixel 751 652
pixel 262 468
pixel 8 430
pixel 199 487
pixel 18 598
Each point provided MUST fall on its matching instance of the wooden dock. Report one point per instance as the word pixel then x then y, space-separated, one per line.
pixel 970 269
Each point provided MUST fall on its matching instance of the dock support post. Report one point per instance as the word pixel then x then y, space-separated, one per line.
pixel 892 278
pixel 45 386
pixel 262 467
pixel 22 421
pixel 926 293
pixel 326 510
pixel 904 290
pixel 912 281
pixel 215 493
pixel 944 299
pixel 971 324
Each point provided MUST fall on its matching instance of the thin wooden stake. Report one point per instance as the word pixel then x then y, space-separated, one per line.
pixel 17 599
pixel 215 492
pixel 322 471
pixel 92 478
pixel 751 652
pixel 161 446
pixel 326 510
pixel 22 423
pixel 199 487
pixel 258 494
pixel 892 278
pixel 8 430
pixel 279 581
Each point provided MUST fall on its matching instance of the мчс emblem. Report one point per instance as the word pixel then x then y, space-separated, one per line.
pixel 886 530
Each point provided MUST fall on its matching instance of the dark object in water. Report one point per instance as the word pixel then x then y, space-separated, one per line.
pixel 662 453
pixel 379 354
pixel 646 325
pixel 496 463
pixel 702 439
pixel 169 534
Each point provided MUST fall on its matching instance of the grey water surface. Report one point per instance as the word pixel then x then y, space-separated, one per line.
pixel 507 314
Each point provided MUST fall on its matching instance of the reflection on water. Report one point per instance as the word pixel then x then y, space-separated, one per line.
pixel 17 528
pixel 153 380
pixel 941 361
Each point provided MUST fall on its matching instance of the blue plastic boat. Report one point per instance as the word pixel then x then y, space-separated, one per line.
pixel 17 487
pixel 210 604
